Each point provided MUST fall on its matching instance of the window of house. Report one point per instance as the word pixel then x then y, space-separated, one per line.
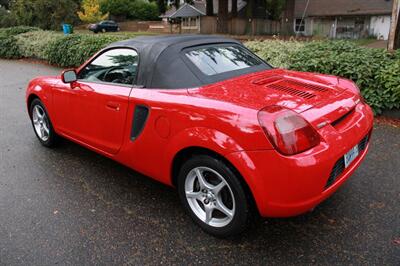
pixel 189 22
pixel 299 25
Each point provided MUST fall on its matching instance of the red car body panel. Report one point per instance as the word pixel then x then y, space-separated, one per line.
pixel 221 117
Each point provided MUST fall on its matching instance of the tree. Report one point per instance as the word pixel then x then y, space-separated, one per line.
pixel 394 34
pixel 222 25
pixel 210 7
pixel 46 14
pixel 6 18
pixel 120 8
pixel 176 3
pixel 234 10
pixel 5 4
pixel 162 7
pixel 144 10
pixel 91 11
pixel 275 8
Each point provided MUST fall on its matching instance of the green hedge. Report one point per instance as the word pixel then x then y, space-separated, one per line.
pixel 35 44
pixel 278 53
pixel 375 71
pixel 8 41
pixel 53 47
pixel 73 50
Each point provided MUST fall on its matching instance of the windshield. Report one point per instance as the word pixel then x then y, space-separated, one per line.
pixel 216 60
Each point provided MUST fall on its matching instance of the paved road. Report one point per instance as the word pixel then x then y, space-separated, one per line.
pixel 71 206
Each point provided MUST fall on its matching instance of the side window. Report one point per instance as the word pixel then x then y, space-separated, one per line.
pixel 117 66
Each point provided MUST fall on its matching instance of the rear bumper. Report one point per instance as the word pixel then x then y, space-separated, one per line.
pixel 285 186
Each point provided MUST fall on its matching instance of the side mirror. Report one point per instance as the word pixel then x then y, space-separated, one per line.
pixel 69 76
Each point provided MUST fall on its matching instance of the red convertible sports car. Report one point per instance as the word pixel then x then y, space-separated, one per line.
pixel 237 137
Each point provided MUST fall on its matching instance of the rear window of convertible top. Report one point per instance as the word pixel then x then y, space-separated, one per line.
pixel 213 60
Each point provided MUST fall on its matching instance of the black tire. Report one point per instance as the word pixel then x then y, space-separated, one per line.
pixel 52 138
pixel 242 211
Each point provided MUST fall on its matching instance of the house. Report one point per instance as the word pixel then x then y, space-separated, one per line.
pixel 188 16
pixel 351 19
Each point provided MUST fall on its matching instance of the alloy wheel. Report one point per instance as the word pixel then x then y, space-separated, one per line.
pixel 209 196
pixel 41 123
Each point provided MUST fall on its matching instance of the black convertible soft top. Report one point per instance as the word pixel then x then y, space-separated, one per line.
pixel 162 64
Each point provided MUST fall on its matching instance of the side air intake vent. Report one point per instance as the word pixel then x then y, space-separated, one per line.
pixel 139 120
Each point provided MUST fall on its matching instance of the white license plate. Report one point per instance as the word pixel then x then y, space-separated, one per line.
pixel 350 156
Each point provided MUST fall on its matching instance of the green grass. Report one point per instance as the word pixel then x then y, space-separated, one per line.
pixel 364 42
pixel 124 34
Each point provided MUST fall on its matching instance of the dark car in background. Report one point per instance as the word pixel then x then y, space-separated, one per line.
pixel 104 26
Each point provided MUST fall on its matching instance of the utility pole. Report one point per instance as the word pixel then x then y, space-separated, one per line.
pixel 394 33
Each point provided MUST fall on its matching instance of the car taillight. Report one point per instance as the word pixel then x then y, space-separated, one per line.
pixel 289 132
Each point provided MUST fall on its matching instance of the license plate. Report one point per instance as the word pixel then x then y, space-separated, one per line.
pixel 350 156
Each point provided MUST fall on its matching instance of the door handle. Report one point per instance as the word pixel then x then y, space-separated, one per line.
pixel 113 105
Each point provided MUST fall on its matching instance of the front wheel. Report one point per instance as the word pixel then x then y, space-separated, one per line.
pixel 213 196
pixel 41 124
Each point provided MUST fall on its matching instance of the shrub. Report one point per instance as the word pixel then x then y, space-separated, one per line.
pixel 276 52
pixel 9 48
pixel 8 41
pixel 388 79
pixel 374 70
pixel 73 50
pixel 7 32
pixel 34 44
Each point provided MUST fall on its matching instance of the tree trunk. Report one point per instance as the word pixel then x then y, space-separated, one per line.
pixel 234 9
pixel 161 6
pixel 222 25
pixel 210 8
pixel 177 4
pixel 394 27
pixel 397 34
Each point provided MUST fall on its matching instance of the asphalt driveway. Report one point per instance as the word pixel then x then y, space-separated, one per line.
pixel 71 206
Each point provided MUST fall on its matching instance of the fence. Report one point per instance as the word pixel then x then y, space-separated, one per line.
pixel 241 26
pixel 208 25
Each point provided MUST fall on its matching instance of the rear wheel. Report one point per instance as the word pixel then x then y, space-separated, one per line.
pixel 41 124
pixel 213 196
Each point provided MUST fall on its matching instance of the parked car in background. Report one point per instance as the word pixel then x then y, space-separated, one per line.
pixel 207 116
pixel 104 26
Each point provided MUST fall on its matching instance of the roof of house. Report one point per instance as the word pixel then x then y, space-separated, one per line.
pixel 186 11
pixel 317 8
pixel 200 6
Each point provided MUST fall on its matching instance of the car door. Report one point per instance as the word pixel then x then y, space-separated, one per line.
pixel 98 100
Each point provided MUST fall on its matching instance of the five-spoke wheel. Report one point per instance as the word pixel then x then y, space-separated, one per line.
pixel 210 196
pixel 212 193
pixel 42 124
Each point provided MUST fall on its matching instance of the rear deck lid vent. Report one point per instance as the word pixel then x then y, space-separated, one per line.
pixel 308 86
pixel 283 86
